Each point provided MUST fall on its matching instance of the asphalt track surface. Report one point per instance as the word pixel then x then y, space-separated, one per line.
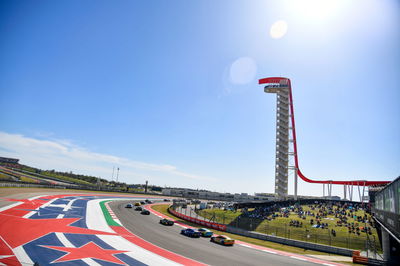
pixel 200 249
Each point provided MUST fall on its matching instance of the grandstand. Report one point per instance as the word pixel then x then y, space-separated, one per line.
pixel 5 160
pixel 386 210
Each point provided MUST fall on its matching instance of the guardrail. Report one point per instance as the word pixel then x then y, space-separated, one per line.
pixel 220 227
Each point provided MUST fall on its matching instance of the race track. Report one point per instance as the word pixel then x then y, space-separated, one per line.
pixel 200 249
pixel 73 230
pixel 97 229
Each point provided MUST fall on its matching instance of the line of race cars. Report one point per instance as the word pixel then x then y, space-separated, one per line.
pixel 138 207
pixel 204 232
pixel 201 232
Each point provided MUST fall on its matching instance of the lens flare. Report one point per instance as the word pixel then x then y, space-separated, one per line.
pixel 278 29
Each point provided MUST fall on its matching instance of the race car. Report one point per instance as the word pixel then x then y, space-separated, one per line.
pixel 128 205
pixel 145 212
pixel 137 204
pixel 138 208
pixel 143 202
pixel 190 232
pixel 166 222
pixel 223 240
pixel 205 232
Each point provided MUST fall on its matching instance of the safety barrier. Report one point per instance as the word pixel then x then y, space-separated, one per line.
pixel 291 242
pixel 360 260
pixel 357 258
pixel 220 227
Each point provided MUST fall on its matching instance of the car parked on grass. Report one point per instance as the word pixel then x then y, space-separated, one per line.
pixel 223 240
pixel 166 222
pixel 190 233
pixel 145 212
pixel 205 232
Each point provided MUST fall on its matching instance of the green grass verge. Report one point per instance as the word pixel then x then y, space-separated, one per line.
pixel 164 210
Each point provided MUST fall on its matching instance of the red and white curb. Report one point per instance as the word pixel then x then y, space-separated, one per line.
pixel 147 249
pixel 112 214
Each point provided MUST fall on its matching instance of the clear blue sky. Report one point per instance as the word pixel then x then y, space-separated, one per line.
pixel 167 90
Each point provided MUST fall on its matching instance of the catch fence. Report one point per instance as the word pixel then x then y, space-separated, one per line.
pixel 305 232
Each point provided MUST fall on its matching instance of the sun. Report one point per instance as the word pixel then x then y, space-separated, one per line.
pixel 278 29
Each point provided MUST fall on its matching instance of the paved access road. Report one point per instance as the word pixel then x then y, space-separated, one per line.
pixel 200 249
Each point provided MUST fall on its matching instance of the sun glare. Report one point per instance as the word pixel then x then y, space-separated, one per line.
pixel 278 29
pixel 317 11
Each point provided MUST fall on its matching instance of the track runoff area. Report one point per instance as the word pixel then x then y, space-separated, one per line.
pixel 97 229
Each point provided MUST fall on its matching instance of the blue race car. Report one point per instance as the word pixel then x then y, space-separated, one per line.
pixel 190 233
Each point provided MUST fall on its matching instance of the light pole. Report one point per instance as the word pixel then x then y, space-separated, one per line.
pixel 117 173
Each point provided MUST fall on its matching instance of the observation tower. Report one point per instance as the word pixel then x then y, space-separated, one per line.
pixel 280 86
pixel 286 157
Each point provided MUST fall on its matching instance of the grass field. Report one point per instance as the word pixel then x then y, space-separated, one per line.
pixel 66 178
pixel 5 177
pixel 28 180
pixel 280 227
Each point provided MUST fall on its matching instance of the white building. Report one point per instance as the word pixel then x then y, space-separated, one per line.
pixel 209 195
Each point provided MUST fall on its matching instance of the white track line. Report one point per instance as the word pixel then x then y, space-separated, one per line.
pixel 64 240
pixel 21 255
pixel 269 251
pixel 10 206
pixel 247 246
pixel 298 258
pixel 37 210
pixel 69 205
pixel 136 252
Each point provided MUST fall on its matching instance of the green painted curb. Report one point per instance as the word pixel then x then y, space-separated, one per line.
pixel 107 215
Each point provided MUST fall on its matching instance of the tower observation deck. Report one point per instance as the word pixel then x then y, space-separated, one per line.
pixel 281 88
pixel 286 146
